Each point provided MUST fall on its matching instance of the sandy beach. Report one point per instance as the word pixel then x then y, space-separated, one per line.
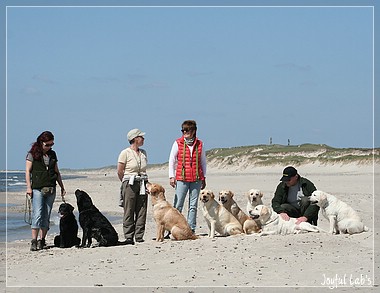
pixel 241 263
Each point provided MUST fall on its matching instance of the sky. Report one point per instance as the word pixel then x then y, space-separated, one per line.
pixel 245 74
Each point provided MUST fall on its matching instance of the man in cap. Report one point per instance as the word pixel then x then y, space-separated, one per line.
pixel 291 198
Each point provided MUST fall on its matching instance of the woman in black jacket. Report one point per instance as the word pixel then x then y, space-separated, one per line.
pixel 41 174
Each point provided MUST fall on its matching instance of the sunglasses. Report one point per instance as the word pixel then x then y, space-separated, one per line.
pixel 187 130
pixel 48 144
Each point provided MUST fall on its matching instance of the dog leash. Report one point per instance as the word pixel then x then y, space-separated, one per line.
pixel 28 210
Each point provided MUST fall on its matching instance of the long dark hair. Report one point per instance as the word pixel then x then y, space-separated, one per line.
pixel 36 149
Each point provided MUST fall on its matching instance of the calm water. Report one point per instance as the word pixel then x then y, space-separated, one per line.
pixel 13 225
pixel 15 180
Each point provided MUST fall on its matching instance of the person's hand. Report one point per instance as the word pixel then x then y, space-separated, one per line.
pixel 172 182
pixel 29 192
pixel 203 184
pixel 63 192
pixel 284 216
pixel 301 219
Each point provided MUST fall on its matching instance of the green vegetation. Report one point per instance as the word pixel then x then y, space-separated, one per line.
pixel 292 154
pixel 267 155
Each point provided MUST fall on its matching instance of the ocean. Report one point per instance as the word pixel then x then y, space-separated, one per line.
pixel 13 225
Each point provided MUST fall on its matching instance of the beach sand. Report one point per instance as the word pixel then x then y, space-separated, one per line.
pixel 241 263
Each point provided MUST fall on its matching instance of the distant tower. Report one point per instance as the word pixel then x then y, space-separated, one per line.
pixel 270 140
pixel 288 141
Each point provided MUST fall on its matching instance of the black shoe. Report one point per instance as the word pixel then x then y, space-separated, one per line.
pixel 140 240
pixel 33 245
pixel 167 236
pixel 127 242
pixel 41 244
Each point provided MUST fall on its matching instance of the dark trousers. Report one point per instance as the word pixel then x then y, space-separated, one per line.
pixel 135 208
pixel 293 212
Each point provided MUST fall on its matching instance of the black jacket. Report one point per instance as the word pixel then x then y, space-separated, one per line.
pixel 42 175
pixel 281 196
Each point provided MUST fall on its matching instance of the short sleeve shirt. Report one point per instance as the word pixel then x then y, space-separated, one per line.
pixel 135 163
pixel 29 157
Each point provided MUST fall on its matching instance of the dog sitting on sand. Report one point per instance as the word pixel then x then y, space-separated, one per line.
pixel 254 198
pixel 167 217
pixel 68 227
pixel 249 225
pixel 218 218
pixel 343 218
pixel 94 223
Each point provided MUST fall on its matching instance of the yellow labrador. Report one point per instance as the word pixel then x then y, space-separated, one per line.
pixel 254 198
pixel 249 225
pixel 272 223
pixel 167 217
pixel 217 217
pixel 343 219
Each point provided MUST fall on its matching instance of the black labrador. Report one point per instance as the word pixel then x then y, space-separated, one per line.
pixel 94 223
pixel 68 227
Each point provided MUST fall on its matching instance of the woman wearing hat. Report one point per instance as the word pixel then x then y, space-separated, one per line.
pixel 131 170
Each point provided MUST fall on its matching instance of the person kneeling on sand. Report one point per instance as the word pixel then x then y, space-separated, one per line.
pixel 291 198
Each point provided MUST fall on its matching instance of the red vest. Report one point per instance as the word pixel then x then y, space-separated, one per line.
pixel 189 168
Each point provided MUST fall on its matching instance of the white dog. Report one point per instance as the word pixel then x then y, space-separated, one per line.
pixel 254 198
pixel 343 219
pixel 217 217
pixel 272 223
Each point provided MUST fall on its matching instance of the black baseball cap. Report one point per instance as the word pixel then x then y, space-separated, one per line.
pixel 288 173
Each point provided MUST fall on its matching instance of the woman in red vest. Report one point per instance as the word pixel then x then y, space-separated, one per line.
pixel 187 170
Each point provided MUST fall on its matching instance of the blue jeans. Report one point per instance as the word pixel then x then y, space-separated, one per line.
pixel 181 191
pixel 41 209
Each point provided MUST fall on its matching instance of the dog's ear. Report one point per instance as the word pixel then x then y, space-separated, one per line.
pixel 322 196
pixel 264 211
pixel 212 194
pixel 261 194
pixel 231 193
pixel 71 208
pixel 161 195
pixel 153 188
pixel 157 188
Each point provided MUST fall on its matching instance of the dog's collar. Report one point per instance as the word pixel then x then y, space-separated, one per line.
pixel 269 222
pixel 322 207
